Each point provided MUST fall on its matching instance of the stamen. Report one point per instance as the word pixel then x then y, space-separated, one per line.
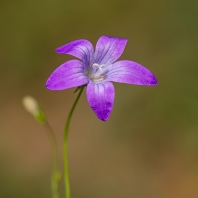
pixel 98 79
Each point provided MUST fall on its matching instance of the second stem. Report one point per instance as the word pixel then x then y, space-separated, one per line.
pixel 65 153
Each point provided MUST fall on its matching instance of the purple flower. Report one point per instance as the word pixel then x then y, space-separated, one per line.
pixel 96 70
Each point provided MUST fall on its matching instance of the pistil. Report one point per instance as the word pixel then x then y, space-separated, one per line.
pixel 96 71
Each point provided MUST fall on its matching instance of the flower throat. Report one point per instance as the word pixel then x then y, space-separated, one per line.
pixel 96 72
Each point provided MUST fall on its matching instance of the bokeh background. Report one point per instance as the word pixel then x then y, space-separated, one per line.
pixel 148 147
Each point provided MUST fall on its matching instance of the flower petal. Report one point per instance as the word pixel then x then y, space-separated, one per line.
pixel 69 74
pixel 101 98
pixel 131 73
pixel 81 49
pixel 109 49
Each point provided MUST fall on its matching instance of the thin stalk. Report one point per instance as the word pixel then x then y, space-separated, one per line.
pixel 65 153
pixel 55 175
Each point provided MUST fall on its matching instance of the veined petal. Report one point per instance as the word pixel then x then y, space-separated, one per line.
pixel 131 73
pixel 109 49
pixel 101 98
pixel 69 74
pixel 81 49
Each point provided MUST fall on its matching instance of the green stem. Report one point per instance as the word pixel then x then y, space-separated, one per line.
pixel 65 154
pixel 55 176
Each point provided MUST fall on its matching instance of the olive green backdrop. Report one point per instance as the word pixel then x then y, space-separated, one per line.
pixel 149 146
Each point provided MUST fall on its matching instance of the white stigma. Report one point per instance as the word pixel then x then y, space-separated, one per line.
pixel 97 66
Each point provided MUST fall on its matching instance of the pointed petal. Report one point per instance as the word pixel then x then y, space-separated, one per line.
pixel 69 74
pixel 131 73
pixel 81 49
pixel 109 49
pixel 101 98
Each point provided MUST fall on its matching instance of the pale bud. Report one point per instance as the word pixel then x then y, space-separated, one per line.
pixel 32 106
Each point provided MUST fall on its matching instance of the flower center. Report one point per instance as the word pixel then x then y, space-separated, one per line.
pixel 96 73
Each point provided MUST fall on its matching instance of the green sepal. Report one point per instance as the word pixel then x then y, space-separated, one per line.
pixel 79 88
pixel 41 116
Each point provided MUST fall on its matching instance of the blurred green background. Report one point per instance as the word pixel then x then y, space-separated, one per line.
pixel 149 146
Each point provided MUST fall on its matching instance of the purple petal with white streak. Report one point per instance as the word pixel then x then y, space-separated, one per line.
pixel 68 75
pixel 109 49
pixel 101 98
pixel 131 73
pixel 81 49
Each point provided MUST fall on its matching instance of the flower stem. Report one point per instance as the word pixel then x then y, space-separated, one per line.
pixel 55 175
pixel 65 153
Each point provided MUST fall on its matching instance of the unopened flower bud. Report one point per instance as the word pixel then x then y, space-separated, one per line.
pixel 33 107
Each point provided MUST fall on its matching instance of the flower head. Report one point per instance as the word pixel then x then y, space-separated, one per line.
pixel 97 69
